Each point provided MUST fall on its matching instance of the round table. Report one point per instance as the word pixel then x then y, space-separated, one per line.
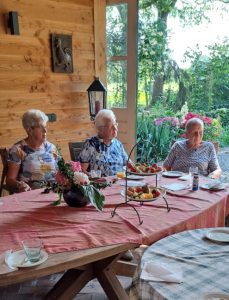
pixel 204 264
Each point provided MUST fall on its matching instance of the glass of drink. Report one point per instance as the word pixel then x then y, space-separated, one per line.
pixel 95 173
pixel 121 173
pixel 193 170
pixel 32 248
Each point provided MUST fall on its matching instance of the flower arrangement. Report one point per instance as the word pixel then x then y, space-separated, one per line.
pixel 70 177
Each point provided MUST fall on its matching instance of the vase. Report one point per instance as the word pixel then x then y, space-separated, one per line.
pixel 75 198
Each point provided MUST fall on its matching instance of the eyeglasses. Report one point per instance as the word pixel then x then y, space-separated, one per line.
pixel 112 126
pixel 42 127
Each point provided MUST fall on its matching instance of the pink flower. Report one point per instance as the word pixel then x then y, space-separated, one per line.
pixel 158 121
pixel 75 166
pixel 191 115
pixel 61 179
pixel 172 120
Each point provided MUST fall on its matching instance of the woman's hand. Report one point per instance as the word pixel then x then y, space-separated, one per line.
pixel 215 174
pixel 22 186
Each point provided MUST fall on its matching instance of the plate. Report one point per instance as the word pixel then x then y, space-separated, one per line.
pixel 174 174
pixel 143 174
pixel 19 259
pixel 134 177
pixel 133 183
pixel 162 191
pixel 216 296
pixel 208 186
pixel 218 235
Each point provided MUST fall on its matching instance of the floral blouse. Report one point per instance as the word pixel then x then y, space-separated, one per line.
pixel 35 165
pixel 109 159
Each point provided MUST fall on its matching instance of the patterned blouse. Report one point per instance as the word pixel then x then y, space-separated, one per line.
pixel 109 159
pixel 36 166
pixel 181 158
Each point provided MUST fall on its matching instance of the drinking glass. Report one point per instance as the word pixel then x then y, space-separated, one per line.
pixel 95 173
pixel 120 173
pixel 193 170
pixel 32 248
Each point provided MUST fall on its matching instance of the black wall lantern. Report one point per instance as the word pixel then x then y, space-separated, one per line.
pixel 97 94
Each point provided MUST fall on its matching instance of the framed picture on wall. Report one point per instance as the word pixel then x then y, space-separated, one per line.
pixel 61 45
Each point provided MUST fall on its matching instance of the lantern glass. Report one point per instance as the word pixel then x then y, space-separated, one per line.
pixel 97 97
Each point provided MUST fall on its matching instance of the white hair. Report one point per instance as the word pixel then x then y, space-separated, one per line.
pixel 104 115
pixel 192 122
pixel 33 117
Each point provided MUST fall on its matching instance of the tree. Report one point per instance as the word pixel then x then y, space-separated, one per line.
pixel 154 56
pixel 208 78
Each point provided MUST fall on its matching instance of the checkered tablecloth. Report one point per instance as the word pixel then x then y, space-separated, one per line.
pixel 205 266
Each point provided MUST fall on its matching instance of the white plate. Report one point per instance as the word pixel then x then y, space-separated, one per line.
pixel 174 174
pixel 133 183
pixel 218 235
pixel 216 296
pixel 208 186
pixel 162 191
pixel 144 174
pixel 19 259
pixel 134 177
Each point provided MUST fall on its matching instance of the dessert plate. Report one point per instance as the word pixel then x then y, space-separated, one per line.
pixel 216 296
pixel 213 187
pixel 162 193
pixel 218 235
pixel 174 174
pixel 19 259
pixel 134 177
pixel 133 183
pixel 144 174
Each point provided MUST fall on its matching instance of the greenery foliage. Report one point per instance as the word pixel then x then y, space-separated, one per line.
pixel 157 139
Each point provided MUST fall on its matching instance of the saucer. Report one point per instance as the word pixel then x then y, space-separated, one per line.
pixel 19 259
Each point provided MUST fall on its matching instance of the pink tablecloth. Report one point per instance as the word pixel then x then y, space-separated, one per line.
pixel 63 228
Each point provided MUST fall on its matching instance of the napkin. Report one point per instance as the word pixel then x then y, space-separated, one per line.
pixel 152 271
pixel 5 266
pixel 176 186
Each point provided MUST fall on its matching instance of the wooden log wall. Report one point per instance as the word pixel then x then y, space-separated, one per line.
pixel 26 77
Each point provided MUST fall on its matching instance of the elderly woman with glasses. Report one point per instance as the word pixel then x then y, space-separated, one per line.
pixel 193 152
pixel 104 152
pixel 32 162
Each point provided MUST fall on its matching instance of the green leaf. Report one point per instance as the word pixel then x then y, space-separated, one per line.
pixel 57 202
pixel 96 198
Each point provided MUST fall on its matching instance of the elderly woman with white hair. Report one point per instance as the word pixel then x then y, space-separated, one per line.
pixel 103 151
pixel 32 162
pixel 193 152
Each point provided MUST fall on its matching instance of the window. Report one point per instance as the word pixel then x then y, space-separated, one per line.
pixel 120 17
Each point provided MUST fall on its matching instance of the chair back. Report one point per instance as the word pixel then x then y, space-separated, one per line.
pixel 75 148
pixel 4 155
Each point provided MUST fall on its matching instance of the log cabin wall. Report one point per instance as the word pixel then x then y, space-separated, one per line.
pixel 26 77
